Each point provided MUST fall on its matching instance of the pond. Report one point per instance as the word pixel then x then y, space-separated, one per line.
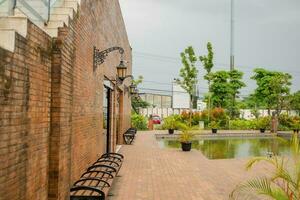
pixel 226 148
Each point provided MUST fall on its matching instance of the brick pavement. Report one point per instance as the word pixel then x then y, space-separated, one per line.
pixel 152 173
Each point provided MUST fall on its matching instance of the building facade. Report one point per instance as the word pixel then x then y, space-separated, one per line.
pixel 157 100
pixel 57 112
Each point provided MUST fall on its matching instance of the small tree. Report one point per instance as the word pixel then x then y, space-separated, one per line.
pixel 136 101
pixel 220 89
pixel 295 102
pixel 207 61
pixel 235 84
pixel 188 74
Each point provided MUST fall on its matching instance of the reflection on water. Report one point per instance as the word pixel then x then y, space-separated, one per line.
pixel 235 147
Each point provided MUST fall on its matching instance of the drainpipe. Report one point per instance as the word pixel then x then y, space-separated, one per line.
pixel 12 11
pixel 49 9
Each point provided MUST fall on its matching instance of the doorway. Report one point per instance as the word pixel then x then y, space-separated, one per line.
pixel 106 118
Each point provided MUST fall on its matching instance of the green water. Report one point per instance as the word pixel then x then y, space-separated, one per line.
pixel 234 147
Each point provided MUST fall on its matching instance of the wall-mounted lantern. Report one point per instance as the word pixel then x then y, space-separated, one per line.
pixel 100 56
pixel 122 71
pixel 132 89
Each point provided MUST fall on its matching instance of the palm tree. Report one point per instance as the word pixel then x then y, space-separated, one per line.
pixel 282 184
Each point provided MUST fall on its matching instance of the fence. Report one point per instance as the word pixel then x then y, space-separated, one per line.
pixel 162 112
pixel 165 112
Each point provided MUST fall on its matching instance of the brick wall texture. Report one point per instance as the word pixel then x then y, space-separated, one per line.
pixel 51 103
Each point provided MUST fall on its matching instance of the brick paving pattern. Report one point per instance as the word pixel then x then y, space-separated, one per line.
pixel 152 173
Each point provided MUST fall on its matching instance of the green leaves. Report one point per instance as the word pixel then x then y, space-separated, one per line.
pixel 224 87
pixel 188 73
pixel 207 60
pixel 282 184
pixel 273 88
pixel 138 121
pixel 295 101
pixel 137 102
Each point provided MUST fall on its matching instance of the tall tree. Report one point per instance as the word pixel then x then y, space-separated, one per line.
pixel 207 62
pixel 273 88
pixel 220 89
pixel 188 73
pixel 235 84
pixel 295 102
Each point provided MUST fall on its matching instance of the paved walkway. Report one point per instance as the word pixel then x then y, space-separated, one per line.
pixel 152 173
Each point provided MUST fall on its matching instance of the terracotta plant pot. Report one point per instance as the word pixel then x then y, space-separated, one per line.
pixel 214 130
pixel 186 146
pixel 171 131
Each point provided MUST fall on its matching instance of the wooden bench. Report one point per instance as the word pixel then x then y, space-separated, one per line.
pixel 129 135
pixel 94 184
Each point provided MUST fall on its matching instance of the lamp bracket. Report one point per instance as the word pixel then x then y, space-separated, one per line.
pixel 100 56
pixel 128 76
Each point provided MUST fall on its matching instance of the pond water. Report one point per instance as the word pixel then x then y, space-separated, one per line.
pixel 226 148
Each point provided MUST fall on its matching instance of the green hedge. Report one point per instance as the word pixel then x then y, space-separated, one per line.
pixel 242 124
pixel 139 122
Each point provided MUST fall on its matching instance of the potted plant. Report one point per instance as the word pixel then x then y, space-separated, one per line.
pixel 185 139
pixel 296 125
pixel 170 123
pixel 263 124
pixel 214 126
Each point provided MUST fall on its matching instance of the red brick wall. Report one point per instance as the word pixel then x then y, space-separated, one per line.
pixel 76 115
pixel 25 116
pixel 77 91
pixel 51 103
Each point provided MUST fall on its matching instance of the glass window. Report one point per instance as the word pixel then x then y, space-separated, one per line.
pixel 150 99
pixel 166 102
pixel 157 101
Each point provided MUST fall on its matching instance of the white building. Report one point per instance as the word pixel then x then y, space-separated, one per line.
pixel 181 98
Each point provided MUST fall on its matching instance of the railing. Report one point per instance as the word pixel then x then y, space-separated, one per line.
pixel 36 10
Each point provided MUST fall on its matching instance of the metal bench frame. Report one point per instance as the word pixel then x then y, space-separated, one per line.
pixel 101 173
pixel 129 135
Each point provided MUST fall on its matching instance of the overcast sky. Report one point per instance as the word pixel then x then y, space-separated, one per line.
pixel 267 34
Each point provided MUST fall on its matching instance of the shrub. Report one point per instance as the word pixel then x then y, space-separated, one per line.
pixel 214 125
pixel 172 122
pixel 242 124
pixel 296 123
pixel 285 121
pixel 139 122
pixel 196 117
pixel 186 135
pixel 263 122
pixel 185 117
pixel 204 117
pixel 219 115
pixel 283 128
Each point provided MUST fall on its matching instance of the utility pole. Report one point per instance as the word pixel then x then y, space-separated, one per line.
pixel 232 36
